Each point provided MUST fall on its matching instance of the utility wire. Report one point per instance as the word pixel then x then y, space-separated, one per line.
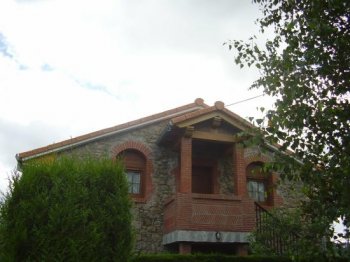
pixel 241 101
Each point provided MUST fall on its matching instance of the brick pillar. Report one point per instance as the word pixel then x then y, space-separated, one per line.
pixel 242 249
pixel 185 248
pixel 186 165
pixel 240 181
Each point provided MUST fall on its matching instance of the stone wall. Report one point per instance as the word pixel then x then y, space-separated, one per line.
pixel 225 179
pixel 148 215
pixel 291 193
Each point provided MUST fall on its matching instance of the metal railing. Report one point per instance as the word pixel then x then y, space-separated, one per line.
pixel 270 228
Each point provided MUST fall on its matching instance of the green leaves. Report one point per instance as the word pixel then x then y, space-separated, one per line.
pixel 306 66
pixel 72 209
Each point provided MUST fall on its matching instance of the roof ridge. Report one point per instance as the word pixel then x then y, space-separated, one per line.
pixel 218 106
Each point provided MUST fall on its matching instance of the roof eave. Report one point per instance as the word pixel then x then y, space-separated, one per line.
pixel 21 157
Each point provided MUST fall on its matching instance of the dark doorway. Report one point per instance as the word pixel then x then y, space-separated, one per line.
pixel 218 248
pixel 202 179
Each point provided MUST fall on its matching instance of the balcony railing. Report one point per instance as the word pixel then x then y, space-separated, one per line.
pixel 209 212
pixel 269 228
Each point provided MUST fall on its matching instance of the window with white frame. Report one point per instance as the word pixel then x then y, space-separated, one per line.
pixel 256 190
pixel 257 180
pixel 134 180
pixel 135 166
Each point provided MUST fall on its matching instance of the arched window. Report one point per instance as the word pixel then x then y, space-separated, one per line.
pixel 257 182
pixel 135 167
pixel 137 160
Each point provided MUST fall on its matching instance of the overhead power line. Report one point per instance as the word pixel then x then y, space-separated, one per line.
pixel 241 101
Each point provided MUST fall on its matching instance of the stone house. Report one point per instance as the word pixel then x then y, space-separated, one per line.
pixel 194 187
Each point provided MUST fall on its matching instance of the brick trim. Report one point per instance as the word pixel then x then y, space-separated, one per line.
pixel 131 145
pixel 271 181
pixel 146 152
pixel 256 158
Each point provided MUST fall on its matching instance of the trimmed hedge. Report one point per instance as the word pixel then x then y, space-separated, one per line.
pixel 207 258
pixel 224 258
pixel 67 209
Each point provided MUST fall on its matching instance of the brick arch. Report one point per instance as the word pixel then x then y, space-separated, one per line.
pixel 271 181
pixel 256 158
pixel 146 152
pixel 132 145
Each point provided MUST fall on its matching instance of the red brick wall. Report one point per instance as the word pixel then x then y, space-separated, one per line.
pixel 209 213
pixel 186 165
pixel 240 182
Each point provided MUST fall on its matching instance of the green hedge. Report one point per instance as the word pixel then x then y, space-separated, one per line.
pixel 206 258
pixel 67 209
pixel 223 258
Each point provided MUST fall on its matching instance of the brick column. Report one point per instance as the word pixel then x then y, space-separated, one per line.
pixel 239 175
pixel 185 248
pixel 186 165
pixel 242 249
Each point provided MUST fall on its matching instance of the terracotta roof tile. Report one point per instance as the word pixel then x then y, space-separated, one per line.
pixel 238 118
pixel 191 115
pixel 219 106
pixel 198 104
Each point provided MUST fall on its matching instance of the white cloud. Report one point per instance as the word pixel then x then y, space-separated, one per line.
pixel 83 65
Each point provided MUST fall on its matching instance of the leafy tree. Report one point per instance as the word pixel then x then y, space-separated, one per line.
pixel 69 209
pixel 286 231
pixel 305 65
